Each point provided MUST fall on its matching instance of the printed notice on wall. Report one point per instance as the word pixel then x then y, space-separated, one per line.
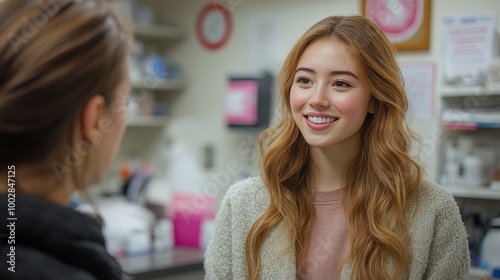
pixel 266 50
pixel 468 46
pixel 419 84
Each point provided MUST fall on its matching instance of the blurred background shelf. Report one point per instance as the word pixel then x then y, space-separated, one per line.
pixel 147 121
pixel 154 31
pixel 474 192
pixel 469 126
pixel 154 85
pixel 470 91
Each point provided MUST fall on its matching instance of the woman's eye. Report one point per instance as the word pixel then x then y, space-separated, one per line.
pixel 303 80
pixel 341 84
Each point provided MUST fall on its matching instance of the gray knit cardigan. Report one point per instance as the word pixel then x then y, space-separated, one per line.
pixel 438 239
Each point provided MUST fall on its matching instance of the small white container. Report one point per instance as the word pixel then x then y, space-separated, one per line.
pixel 473 170
pixel 163 235
pixel 139 243
pixel 490 249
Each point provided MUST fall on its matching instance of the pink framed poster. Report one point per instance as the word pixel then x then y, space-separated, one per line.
pixel 242 103
pixel 406 23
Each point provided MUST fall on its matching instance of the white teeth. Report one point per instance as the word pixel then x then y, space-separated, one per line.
pixel 320 120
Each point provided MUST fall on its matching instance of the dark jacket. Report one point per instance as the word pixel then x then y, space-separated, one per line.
pixel 52 242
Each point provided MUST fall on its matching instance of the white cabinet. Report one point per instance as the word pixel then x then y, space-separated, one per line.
pixel 151 95
pixel 472 113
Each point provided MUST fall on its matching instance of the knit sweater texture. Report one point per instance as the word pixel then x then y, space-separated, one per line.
pixel 438 240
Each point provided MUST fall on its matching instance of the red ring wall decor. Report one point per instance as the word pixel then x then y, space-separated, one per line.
pixel 216 19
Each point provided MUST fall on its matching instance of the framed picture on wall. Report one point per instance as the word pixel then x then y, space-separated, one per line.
pixel 406 23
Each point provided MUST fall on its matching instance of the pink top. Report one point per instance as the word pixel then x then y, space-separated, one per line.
pixel 329 238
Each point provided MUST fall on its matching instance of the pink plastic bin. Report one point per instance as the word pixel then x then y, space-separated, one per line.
pixel 188 211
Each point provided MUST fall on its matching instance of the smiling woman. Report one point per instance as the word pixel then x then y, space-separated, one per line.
pixel 339 195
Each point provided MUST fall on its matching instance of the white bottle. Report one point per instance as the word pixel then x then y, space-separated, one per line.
pixel 473 170
pixel 163 235
pixel 452 165
pixel 490 249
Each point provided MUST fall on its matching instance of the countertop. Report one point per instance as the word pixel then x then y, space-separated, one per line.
pixel 172 262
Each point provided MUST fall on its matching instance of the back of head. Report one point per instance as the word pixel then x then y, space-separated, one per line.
pixel 54 56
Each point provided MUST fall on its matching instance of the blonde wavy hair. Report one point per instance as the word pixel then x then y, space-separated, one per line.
pixel 381 179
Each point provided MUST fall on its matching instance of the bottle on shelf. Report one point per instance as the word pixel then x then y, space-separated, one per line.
pixel 490 256
pixel 451 174
pixel 473 170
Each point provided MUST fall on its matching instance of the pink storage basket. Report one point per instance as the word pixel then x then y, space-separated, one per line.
pixel 188 211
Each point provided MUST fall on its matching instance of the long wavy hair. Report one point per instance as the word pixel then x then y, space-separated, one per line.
pixel 381 179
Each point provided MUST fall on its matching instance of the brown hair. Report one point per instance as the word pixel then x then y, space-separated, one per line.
pixel 54 56
pixel 381 179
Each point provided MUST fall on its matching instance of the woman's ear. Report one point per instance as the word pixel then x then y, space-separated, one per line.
pixel 90 118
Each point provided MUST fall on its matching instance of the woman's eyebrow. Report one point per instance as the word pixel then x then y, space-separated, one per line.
pixel 332 73
pixel 305 69
pixel 349 73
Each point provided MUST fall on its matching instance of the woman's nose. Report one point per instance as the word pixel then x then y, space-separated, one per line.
pixel 319 98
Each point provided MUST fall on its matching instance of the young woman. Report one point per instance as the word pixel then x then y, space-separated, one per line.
pixel 63 88
pixel 339 195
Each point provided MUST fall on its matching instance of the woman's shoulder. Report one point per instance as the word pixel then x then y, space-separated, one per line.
pixel 249 192
pixel 432 192
pixel 248 186
pixel 435 199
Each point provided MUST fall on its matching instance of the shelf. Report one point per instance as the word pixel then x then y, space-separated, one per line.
pixel 469 126
pixel 163 32
pixel 154 85
pixel 474 192
pixel 146 121
pixel 470 91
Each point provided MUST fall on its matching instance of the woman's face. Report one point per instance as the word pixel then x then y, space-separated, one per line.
pixel 328 100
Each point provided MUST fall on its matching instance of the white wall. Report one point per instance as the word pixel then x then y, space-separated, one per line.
pixel 198 111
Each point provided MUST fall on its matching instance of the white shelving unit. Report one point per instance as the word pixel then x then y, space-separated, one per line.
pixel 471 108
pixel 469 101
pixel 160 34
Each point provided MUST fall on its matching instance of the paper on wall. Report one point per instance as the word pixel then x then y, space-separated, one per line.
pixel 266 50
pixel 468 46
pixel 419 84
